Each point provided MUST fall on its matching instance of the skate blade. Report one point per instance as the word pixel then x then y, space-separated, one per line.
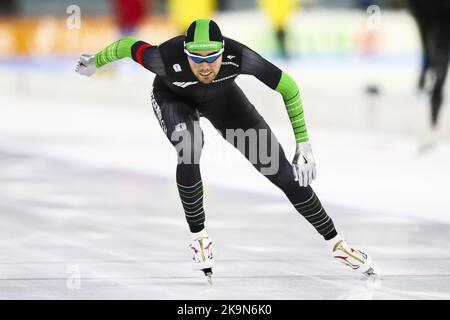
pixel 208 273
pixel 372 274
pixel 373 278
pixel 209 278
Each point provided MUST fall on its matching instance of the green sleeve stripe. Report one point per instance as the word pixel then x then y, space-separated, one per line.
pixel 302 125
pixel 294 116
pixel 298 122
pixel 115 51
pixel 293 103
pixel 292 113
pixel 297 94
pixel 294 107
pixel 108 54
pixel 102 58
pixel 300 139
pixel 117 46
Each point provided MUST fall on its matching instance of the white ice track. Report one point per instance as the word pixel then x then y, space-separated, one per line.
pixel 87 184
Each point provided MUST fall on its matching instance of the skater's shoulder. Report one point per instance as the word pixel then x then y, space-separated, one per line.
pixel 231 44
pixel 173 43
pixel 172 49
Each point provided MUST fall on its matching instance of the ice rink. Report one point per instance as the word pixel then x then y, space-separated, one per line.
pixel 90 209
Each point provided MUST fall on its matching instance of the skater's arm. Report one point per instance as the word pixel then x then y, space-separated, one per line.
pixel 115 51
pixel 276 79
pixel 294 107
pixel 303 165
pixel 143 53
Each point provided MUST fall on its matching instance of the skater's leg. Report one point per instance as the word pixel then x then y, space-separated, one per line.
pixel 190 186
pixel 440 59
pixel 243 127
pixel 266 152
pixel 181 125
pixel 233 112
pixel 308 205
pixel 423 25
pixel 280 34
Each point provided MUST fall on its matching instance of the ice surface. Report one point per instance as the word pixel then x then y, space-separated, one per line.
pixel 123 233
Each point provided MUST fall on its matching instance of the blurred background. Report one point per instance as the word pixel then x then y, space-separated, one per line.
pixel 73 146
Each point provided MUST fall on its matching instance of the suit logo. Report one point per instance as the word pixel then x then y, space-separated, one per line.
pixel 231 57
pixel 158 113
pixel 180 127
pixel 176 67
pixel 184 84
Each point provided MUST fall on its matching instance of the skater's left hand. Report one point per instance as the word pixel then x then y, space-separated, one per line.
pixel 304 165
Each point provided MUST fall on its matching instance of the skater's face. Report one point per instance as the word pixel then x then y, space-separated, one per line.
pixel 205 71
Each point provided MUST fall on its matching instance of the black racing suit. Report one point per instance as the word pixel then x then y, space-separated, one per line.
pixel 179 99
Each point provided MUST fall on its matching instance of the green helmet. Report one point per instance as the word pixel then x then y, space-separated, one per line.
pixel 203 35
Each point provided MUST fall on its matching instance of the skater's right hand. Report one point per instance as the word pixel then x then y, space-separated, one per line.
pixel 304 165
pixel 86 65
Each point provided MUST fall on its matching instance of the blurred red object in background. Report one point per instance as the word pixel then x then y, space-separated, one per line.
pixel 129 13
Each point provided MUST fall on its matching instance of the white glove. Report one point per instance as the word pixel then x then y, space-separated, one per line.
pixel 304 165
pixel 86 65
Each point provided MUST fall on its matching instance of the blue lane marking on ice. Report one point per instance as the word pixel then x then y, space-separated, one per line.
pixel 44 64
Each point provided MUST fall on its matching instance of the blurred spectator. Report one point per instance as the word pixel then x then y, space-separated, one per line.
pixel 420 19
pixel 129 14
pixel 279 12
pixel 364 4
pixel 8 7
pixel 222 5
pixel 183 12
pixel 433 20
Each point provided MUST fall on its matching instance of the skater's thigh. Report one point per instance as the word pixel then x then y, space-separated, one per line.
pixel 261 148
pixel 443 46
pixel 265 153
pixel 180 122
pixel 174 114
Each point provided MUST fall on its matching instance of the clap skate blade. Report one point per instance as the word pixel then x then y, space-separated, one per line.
pixel 208 273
